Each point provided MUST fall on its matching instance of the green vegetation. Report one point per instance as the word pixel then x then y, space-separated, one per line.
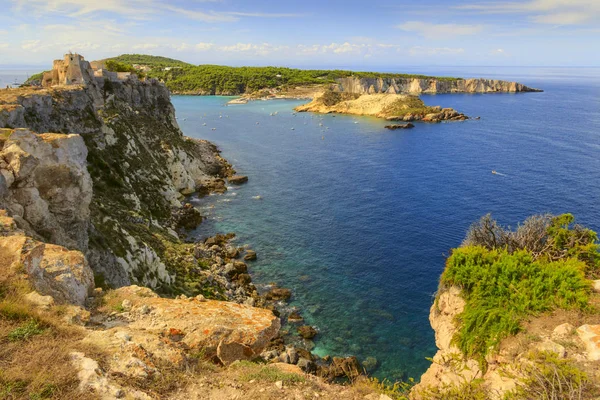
pixel 116 66
pixel 217 79
pixel 502 284
pixel 473 390
pixel 25 331
pixel 548 377
pixel 151 61
pixel 34 80
pixel 396 390
pixel 265 373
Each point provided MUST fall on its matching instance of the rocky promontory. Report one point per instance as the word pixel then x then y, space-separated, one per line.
pixel 109 178
pixel 392 107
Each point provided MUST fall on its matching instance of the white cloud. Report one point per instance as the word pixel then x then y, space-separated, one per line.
pixel 556 12
pixel 258 49
pixel 3 32
pixel 499 53
pixel 3 45
pixel 202 16
pixel 136 9
pixel 431 30
pixel 435 51
pixel 266 15
pixel 32 45
pixel 204 46
pixel 145 46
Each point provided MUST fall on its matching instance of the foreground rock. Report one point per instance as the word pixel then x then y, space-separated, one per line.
pixel 52 270
pixel 172 328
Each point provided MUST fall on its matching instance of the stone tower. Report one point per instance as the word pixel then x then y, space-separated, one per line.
pixel 71 70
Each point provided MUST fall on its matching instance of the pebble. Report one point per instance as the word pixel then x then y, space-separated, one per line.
pixel 279 384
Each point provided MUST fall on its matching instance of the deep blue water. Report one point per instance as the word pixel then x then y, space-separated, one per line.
pixel 357 220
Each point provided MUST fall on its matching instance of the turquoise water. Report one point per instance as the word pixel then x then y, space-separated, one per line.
pixel 357 220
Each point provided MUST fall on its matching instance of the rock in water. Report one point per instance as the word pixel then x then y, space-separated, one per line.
pixel 250 255
pixel 238 179
pixel 399 126
pixel 307 332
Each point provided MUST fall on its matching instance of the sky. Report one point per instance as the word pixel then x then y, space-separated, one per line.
pixel 307 33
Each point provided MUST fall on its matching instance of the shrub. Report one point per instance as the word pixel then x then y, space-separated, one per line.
pixel 501 289
pixel 546 377
pixel 545 236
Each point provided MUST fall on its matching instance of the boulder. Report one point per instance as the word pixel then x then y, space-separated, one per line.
pixel 250 255
pixel 307 366
pixel 278 294
pixel 307 331
pixel 224 330
pixel 590 335
pixel 295 316
pixel 341 367
pixel 563 331
pixel 238 179
pixel 53 270
pixel 63 274
pixel 596 285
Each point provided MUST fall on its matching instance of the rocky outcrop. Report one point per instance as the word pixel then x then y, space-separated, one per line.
pixel 52 270
pixel 508 364
pixel 392 107
pixel 426 86
pixel 110 177
pixel 172 328
pixel 45 185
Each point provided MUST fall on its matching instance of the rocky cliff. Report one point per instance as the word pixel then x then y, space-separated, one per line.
pixel 555 342
pixel 109 178
pixel 426 86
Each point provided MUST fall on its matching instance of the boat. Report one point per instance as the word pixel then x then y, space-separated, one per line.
pixel 494 172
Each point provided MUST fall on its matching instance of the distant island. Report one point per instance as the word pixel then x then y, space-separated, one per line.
pixel 184 78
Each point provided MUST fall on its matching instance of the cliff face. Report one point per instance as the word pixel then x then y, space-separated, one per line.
pixel 120 206
pixel 514 360
pixel 426 86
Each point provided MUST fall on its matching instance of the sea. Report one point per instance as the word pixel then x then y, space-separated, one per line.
pixel 358 220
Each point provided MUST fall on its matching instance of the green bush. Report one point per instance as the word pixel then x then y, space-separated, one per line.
pixel 501 289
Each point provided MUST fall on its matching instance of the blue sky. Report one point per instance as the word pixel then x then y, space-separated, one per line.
pixel 326 33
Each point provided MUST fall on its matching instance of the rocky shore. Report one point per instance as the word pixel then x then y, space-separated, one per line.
pixel 391 107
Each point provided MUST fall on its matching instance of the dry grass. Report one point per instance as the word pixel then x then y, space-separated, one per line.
pixel 35 350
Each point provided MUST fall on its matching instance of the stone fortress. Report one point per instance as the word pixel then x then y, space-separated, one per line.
pixel 74 70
